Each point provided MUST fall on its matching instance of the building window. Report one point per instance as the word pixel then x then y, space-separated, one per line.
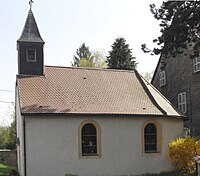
pixel 31 55
pixel 162 77
pixel 150 138
pixel 182 104
pixel 89 140
pixel 196 64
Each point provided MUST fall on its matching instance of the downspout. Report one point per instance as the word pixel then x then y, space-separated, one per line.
pixel 24 130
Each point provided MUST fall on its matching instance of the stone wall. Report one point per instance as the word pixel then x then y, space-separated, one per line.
pixel 8 157
pixel 180 77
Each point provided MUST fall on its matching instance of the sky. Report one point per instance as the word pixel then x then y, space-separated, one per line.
pixel 64 25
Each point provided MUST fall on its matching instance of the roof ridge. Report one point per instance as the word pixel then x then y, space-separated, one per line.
pixel 90 68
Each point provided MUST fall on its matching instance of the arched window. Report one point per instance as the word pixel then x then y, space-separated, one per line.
pixel 89 140
pixel 150 138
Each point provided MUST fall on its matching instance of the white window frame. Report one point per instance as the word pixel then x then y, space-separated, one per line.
pixel 182 102
pixel 196 64
pixel 162 76
pixel 27 55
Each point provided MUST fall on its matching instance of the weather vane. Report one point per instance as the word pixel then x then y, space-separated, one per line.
pixel 30 3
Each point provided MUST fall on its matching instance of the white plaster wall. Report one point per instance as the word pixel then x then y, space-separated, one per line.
pixel 20 135
pixel 52 147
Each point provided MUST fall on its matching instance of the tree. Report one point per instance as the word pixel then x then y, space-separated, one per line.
pixel 82 52
pixel 86 62
pixel 180 26
pixel 148 76
pixel 8 135
pixel 182 152
pixel 86 58
pixel 120 57
pixel 99 59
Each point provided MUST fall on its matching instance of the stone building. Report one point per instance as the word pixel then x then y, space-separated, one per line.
pixel 178 79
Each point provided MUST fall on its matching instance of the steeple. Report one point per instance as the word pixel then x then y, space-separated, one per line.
pixel 30 32
pixel 30 48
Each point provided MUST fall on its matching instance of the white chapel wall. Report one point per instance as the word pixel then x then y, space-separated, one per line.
pixel 52 147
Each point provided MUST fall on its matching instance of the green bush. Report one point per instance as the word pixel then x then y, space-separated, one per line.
pixel 6 169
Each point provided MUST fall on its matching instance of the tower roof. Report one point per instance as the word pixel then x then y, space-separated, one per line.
pixel 30 32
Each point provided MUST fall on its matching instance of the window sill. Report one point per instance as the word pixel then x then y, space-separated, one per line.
pixel 196 71
pixel 164 85
pixel 90 156
pixel 151 153
pixel 30 60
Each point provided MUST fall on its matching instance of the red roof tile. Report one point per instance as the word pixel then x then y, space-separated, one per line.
pixel 90 91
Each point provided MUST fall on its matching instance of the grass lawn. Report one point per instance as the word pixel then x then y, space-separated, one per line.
pixel 6 169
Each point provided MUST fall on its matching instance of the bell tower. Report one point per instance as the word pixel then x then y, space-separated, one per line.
pixel 30 48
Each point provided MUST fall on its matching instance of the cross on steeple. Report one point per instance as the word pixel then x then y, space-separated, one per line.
pixel 30 3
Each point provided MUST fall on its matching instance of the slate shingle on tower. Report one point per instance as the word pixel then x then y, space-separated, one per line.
pixel 30 49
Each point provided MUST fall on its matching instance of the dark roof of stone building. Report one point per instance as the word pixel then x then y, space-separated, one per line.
pixel 68 90
pixel 30 32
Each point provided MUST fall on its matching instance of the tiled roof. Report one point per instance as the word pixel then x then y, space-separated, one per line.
pixel 90 91
pixel 30 32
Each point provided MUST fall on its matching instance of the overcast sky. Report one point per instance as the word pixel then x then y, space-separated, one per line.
pixel 64 25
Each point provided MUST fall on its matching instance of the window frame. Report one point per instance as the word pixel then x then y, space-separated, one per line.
pixel 150 142
pixel 89 140
pixel 158 138
pixel 28 55
pixel 162 78
pixel 182 102
pixel 196 62
pixel 98 153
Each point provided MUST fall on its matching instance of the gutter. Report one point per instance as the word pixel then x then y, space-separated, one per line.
pixel 24 131
pixel 98 115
